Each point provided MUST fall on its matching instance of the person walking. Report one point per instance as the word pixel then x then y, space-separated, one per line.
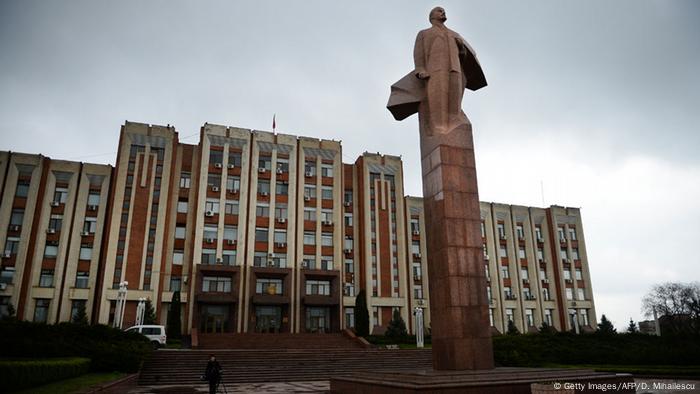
pixel 213 374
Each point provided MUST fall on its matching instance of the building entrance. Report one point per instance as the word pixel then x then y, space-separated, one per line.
pixel 214 319
pixel 268 318
pixel 318 319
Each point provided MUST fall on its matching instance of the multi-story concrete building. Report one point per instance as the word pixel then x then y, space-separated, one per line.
pixel 260 232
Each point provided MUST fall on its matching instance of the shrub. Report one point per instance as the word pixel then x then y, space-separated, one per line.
pixel 17 374
pixel 397 327
pixel 110 349
pixel 174 327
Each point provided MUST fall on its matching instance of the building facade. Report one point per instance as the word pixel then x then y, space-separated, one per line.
pixel 260 232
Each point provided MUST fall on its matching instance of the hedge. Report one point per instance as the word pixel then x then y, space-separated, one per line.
pixel 110 349
pixel 18 374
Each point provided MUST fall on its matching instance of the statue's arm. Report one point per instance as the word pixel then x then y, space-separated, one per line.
pixel 419 58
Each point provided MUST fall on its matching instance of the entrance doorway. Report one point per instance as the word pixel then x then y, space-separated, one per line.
pixel 318 319
pixel 214 319
pixel 268 318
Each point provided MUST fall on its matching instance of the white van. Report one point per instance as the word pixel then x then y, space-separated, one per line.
pixel 155 333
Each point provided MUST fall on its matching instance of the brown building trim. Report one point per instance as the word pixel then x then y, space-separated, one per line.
pixel 31 247
pixel 4 178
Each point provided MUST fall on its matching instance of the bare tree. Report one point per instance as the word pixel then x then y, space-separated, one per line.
pixel 677 305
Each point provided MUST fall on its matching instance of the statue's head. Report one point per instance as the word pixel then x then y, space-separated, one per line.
pixel 437 14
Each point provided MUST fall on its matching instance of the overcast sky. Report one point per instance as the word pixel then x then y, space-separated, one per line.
pixel 596 101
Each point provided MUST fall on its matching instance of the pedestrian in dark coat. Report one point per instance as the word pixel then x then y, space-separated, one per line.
pixel 213 374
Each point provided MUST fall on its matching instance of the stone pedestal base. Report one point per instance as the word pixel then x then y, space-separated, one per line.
pixel 494 381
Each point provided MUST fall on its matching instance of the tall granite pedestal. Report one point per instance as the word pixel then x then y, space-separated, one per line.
pixel 461 335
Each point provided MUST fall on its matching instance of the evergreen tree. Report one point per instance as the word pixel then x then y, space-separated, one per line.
pixel 149 315
pixel 361 314
pixel 512 329
pixel 605 326
pixel 10 313
pixel 632 328
pixel 397 327
pixel 174 328
pixel 81 315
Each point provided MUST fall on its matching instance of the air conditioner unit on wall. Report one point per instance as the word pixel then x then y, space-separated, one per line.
pixel 218 165
pixel 307 198
pixel 92 207
pixel 14 227
pixel 3 286
pixel 50 231
pixel 231 241
pixel 84 233
pixel 55 203
pixel 281 220
pixel 279 171
pixel 7 255
pixel 231 166
pixel 262 170
pixel 347 251
pixel 264 194
pixel 347 203
pixel 327 223
pixel 308 174
pixel 209 214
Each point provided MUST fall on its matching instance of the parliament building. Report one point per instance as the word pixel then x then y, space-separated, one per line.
pixel 260 232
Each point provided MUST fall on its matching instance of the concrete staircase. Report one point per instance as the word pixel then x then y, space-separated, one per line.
pixel 277 341
pixel 184 367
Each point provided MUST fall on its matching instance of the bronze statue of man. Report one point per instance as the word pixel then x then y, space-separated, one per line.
pixel 444 66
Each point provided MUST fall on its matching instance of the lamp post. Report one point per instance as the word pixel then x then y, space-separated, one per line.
pixel 574 320
pixel 121 304
pixel 140 311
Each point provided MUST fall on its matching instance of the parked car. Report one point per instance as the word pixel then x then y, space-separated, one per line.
pixel 156 334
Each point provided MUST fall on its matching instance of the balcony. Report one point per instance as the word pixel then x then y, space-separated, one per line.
pixel 270 299
pixel 317 299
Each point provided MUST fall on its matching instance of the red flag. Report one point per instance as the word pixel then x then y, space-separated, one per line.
pixel 273 122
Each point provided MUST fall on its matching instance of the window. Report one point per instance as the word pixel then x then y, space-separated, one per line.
pixel 348 243
pixel 318 287
pixel 212 205
pixel 282 188
pixel 545 294
pixel 11 245
pixel 55 222
pixel 279 260
pixel 209 256
pixel 280 211
pixel 262 210
pixel 216 284
pixel 349 266
pixel 326 239
pixel 260 259
pixel 327 192
pixel 309 238
pixel 22 188
pixel 501 230
pixel 231 207
pixel 415 247
pixel 233 184
pixel 567 274
pixel 76 307
pixel 509 313
pixel 214 180
pixel 81 279
pixel 580 294
pixel 569 293
pixel 309 262
pixel 505 274
pixel 563 254
pixel 229 257
pixel 93 198
pixel 327 263
pixel 418 292
pixel 523 273
pixel 348 220
pixel 548 316
pixel 265 162
pixel 572 233
pixel 310 214
pixel 60 195
pixel 483 229
pixel 210 232
pixel 538 233
pixel 17 218
pixel 310 167
pixel 175 283
pixel 540 254
pixel 350 317
pixel 178 256
pixel 347 198
pixel 282 165
pixel 85 252
pixel 502 251
pixel 264 187
pixel 46 278
pixel 234 159
pixel 521 252
pixel 327 215
pixel 90 225
pixel 309 191
pixel 230 233
pixel 7 275
pixel 281 236
pixel 543 274
pixel 261 234
pixel 562 235
pixel 584 317
pixel 521 232
pixel 41 310
pixel 268 286
pixel 574 254
pixel 327 170
pixel 216 156
pixel 182 206
pixel 180 232
pixel 530 317
pixel 185 180
pixel 50 251
pixel 491 316
pixel 526 293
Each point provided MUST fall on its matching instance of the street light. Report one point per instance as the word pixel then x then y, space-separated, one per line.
pixel 418 312
pixel 121 305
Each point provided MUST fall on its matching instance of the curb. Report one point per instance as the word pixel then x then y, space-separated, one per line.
pixel 111 384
